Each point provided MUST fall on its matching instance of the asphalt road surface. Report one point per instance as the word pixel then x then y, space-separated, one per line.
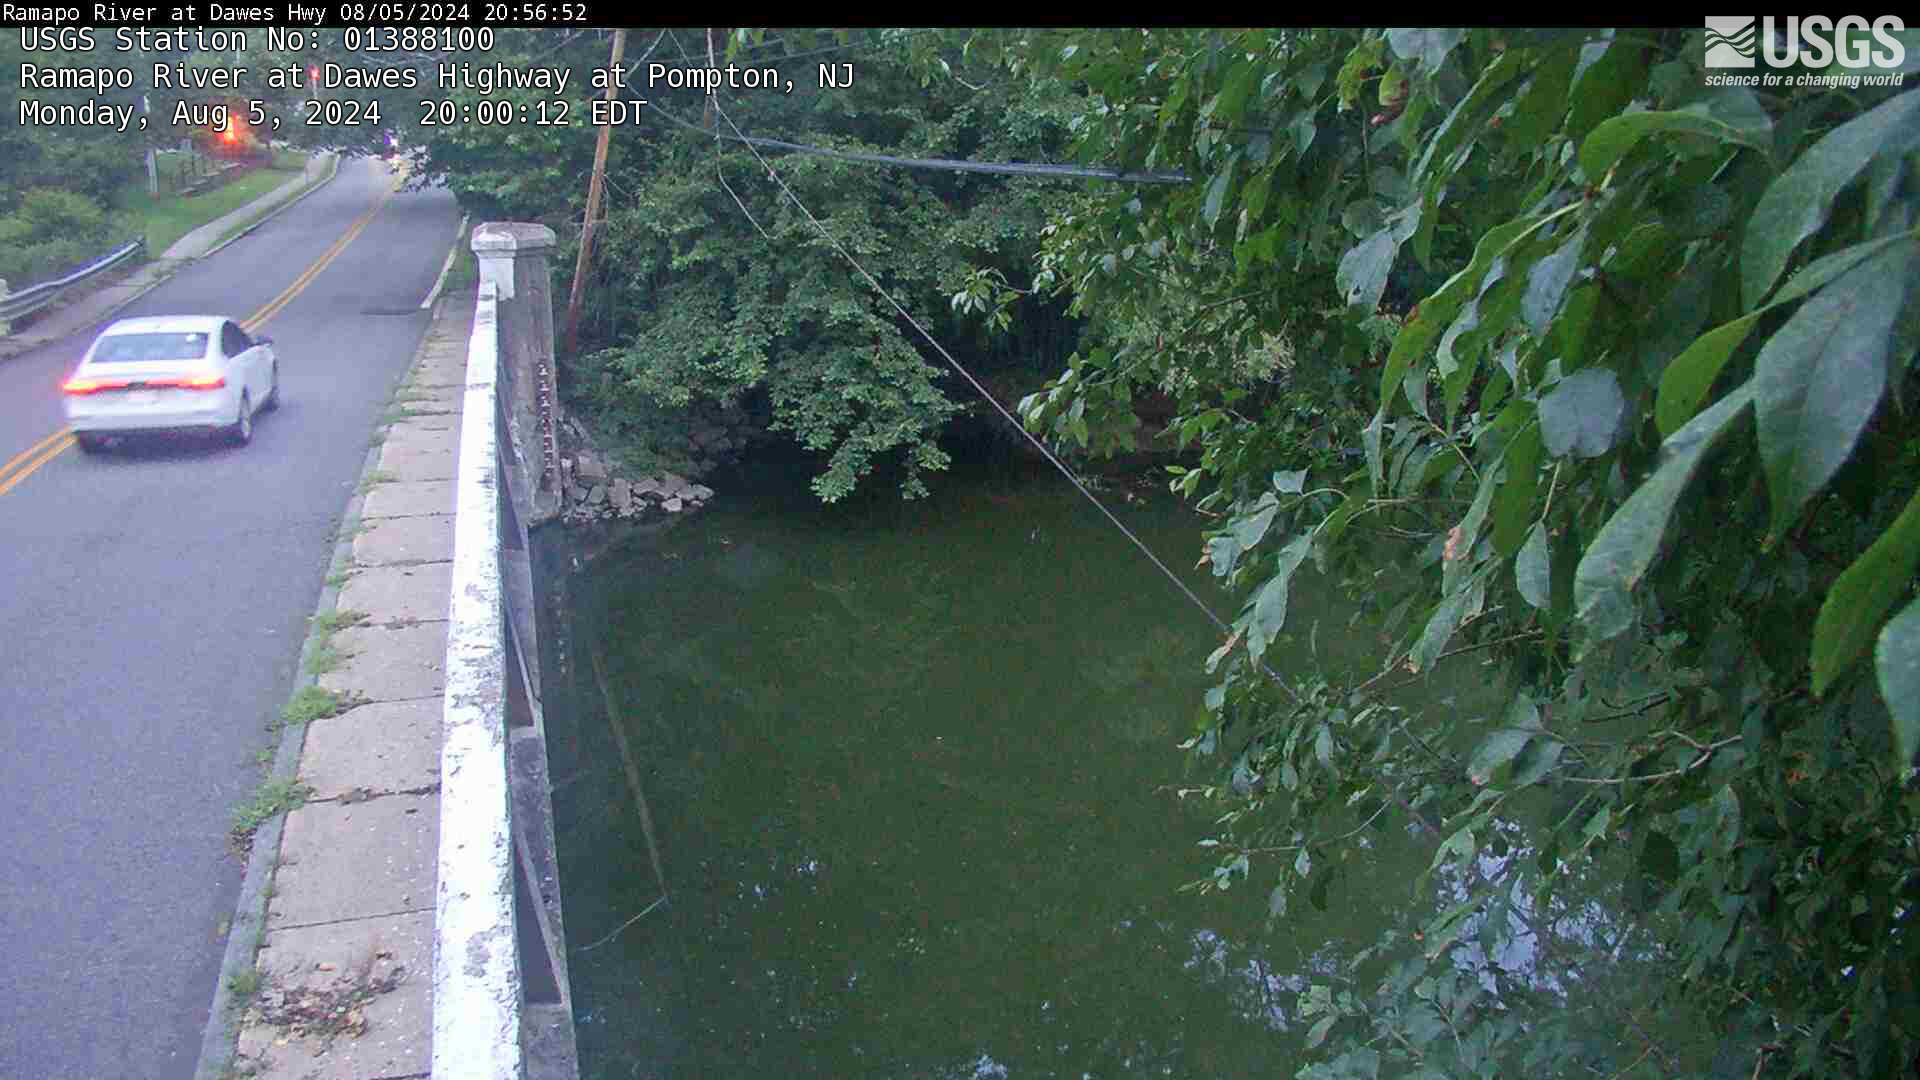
pixel 153 601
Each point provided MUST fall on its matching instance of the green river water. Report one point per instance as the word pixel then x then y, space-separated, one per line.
pixel 908 768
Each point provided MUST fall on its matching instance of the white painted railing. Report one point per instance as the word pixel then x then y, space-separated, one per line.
pixel 476 976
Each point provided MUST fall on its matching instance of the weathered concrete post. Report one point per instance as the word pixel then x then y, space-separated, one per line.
pixel 513 255
pixel 6 327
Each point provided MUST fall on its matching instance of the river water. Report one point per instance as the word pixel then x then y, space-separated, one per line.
pixel 907 770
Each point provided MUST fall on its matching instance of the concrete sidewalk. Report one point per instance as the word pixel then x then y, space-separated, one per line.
pixel 341 988
pixel 87 309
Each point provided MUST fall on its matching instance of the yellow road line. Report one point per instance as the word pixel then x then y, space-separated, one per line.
pixel 7 469
pixel 257 319
pixel 62 439
pixel 28 461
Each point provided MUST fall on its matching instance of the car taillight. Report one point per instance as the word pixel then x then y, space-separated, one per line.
pixel 192 382
pixel 88 386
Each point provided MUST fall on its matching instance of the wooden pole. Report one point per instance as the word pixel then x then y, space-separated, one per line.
pixel 593 205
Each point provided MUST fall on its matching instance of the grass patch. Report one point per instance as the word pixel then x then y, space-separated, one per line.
pixel 244 984
pixel 465 271
pixel 270 798
pixel 166 218
pixel 325 656
pixel 375 479
pixel 337 619
pixel 312 703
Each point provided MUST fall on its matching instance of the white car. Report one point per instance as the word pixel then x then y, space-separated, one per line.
pixel 171 373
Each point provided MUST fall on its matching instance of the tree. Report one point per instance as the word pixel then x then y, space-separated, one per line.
pixel 1643 449
pixel 717 287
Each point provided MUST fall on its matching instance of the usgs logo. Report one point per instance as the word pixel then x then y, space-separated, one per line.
pixel 1813 40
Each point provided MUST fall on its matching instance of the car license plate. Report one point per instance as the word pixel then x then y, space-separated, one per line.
pixel 142 397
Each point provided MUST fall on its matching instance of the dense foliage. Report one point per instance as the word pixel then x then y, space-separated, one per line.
pixel 49 232
pixel 711 300
pixel 1609 380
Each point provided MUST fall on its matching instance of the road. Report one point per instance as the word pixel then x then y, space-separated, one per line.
pixel 153 602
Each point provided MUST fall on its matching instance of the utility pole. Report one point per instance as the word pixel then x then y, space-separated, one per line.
pixel 712 65
pixel 593 204
pixel 153 172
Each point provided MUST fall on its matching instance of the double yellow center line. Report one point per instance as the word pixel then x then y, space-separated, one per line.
pixel 28 461
pixel 257 319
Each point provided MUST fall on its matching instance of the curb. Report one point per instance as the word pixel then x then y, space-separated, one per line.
pixel 247 931
pixel 452 253
pixel 162 269
pixel 274 209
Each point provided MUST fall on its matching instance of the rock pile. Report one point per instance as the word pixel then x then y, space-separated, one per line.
pixel 595 494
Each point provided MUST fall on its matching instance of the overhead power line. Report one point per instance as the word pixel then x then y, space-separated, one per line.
pixel 1003 168
pixel 981 390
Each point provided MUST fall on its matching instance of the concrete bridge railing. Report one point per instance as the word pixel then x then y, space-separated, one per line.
pixel 502 1009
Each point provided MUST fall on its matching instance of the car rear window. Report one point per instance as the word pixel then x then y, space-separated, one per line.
pixel 154 348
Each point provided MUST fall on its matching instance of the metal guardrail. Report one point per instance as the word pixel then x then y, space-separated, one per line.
pixel 31 299
pixel 501 1006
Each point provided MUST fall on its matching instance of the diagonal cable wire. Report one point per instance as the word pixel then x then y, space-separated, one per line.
pixel 1002 168
pixel 975 383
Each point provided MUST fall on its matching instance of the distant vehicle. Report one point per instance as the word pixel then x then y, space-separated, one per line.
pixel 171 373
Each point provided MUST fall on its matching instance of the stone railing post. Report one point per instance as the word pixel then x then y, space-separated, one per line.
pixel 513 256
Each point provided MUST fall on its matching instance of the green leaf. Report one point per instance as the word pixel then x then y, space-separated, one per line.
pixel 1818 380
pixel 1688 378
pixel 1224 551
pixel 1249 530
pixel 1863 595
pixel 1461 843
pixel 1604 82
pixel 1323 746
pixel 1303 131
pixel 1690 375
pixel 1544 101
pixel 1897 657
pixel 1361 275
pixel 1582 414
pixel 1446 618
pixel 1217 192
pixel 1466 117
pixel 1277 903
pixel 1290 482
pixel 1796 204
pixel 1370 440
pixel 1547 283
pixel 1430 47
pixel 1536 761
pixel 1626 545
pixel 1611 140
pixel 1270 605
pixel 1438 310
pixel 1726 813
pixel 1317 1034
pixel 1513 505
pixel 1532 571
pixel 1463 541
pixel 1496 750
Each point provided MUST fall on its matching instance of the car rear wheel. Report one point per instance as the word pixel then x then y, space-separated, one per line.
pixel 242 430
pixel 273 391
pixel 90 444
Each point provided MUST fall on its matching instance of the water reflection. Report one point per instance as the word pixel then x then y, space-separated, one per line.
pixel 907 769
